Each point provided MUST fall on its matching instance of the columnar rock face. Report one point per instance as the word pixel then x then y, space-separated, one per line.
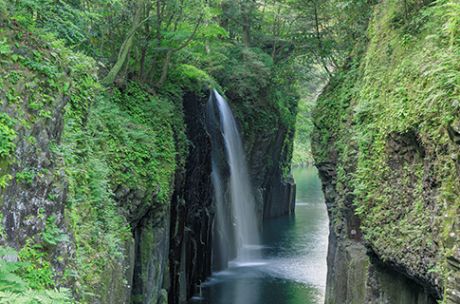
pixel 355 275
pixel 151 247
pixel 192 210
pixel 386 148
pixel 275 188
pixel 453 260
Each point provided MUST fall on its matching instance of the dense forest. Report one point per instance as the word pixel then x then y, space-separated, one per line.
pixel 105 161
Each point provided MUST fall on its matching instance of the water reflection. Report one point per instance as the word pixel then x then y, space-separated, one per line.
pixel 292 269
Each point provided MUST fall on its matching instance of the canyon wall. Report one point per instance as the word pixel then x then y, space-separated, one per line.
pixel 106 191
pixel 385 143
pixel 192 216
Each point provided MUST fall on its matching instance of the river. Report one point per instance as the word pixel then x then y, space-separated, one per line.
pixel 293 265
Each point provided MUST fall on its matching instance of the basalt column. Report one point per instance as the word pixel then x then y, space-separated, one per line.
pixel 191 208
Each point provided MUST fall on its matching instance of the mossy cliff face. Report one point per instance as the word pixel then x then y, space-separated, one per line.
pixel 87 173
pixel 106 191
pixel 387 149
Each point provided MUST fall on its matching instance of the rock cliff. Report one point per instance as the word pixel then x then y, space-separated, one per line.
pixel 268 139
pixel 386 151
pixel 107 191
pixel 192 209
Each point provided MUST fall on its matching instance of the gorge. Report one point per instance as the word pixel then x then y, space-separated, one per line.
pixel 230 151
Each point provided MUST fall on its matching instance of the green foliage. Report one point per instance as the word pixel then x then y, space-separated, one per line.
pixel 127 144
pixel 304 126
pixel 3 9
pixel 61 296
pixel 17 285
pixel 64 18
pixel 7 136
pixel 4 47
pixel 97 226
pixel 148 145
pixel 37 271
pixel 403 91
pixel 449 13
pixel 246 72
pixel 53 235
pixel 192 78
pixel 25 176
pixel 9 280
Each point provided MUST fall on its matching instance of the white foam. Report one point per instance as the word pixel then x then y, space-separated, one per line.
pixel 247 264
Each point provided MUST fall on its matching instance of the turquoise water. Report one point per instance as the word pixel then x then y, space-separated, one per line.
pixel 293 268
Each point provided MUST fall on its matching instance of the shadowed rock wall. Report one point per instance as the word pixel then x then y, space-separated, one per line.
pixel 192 210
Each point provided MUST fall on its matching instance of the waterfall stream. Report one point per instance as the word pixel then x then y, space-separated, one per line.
pixel 233 192
pixel 284 262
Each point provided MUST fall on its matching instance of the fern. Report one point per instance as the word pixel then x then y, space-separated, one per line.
pixel 9 280
pixel 59 296
pixel 15 289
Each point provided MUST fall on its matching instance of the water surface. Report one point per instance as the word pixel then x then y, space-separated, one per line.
pixel 293 268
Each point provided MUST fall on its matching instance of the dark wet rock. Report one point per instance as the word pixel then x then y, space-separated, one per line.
pixel 151 247
pixel 192 210
pixel 268 155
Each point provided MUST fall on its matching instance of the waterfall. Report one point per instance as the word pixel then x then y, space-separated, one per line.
pixel 236 216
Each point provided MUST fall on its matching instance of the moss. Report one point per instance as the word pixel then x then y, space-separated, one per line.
pixel 358 267
pixel 147 246
pixel 192 78
pixel 147 146
pixel 111 140
pixel 128 143
pixel 402 89
pixel 25 176
pixel 7 147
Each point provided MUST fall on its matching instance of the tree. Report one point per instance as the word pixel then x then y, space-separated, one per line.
pixel 247 8
pixel 125 48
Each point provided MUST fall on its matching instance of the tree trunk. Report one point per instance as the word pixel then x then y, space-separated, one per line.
pixel 246 12
pixel 320 42
pixel 125 47
pixel 145 43
pixel 164 72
